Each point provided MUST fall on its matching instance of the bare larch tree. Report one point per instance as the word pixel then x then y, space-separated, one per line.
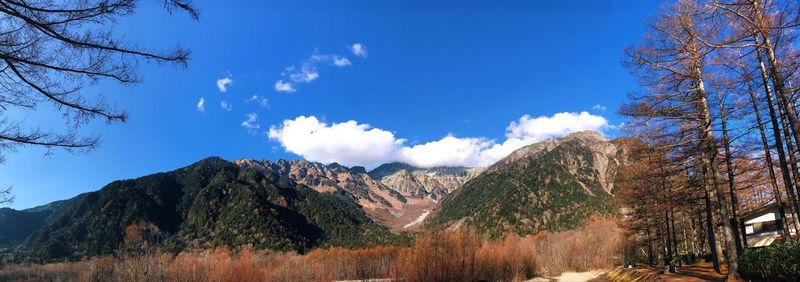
pixel 50 51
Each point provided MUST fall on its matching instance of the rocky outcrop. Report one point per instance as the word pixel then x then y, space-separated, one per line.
pixel 375 198
pixel 433 183
pixel 399 197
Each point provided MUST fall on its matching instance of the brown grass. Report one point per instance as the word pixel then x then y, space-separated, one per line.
pixel 438 256
pixel 597 246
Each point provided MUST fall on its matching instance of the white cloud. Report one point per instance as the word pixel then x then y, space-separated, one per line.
pixel 331 59
pixel 222 83
pixel 448 151
pixel 348 143
pixel 307 72
pixel 341 62
pixel 263 102
pixel 351 143
pixel 201 104
pixel 359 50
pixel 560 124
pixel 251 123
pixel 286 87
pixel 599 107
pixel 527 130
pixel 225 105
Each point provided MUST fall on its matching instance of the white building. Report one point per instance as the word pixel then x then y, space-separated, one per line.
pixel 763 226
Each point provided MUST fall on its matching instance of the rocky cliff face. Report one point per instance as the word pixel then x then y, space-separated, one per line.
pixel 433 183
pixel 552 185
pixel 369 193
pixel 396 195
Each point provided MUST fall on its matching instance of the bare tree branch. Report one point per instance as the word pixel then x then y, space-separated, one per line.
pixel 50 50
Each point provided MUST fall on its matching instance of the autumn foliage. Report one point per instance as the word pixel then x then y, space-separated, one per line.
pixel 437 256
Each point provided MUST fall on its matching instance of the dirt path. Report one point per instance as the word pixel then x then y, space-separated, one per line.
pixel 572 276
pixel 418 220
pixel 579 276
pixel 688 273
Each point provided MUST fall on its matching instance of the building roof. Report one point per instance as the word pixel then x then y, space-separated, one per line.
pixel 761 210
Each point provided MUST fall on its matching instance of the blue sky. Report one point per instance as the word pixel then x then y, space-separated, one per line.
pixel 441 74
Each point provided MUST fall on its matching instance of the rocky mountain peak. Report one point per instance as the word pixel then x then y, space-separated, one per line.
pixel 388 169
pixel 606 155
pixel 532 151
pixel 585 136
pixel 432 183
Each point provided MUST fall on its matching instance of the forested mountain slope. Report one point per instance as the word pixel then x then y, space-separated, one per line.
pixel 16 225
pixel 210 203
pixel 552 185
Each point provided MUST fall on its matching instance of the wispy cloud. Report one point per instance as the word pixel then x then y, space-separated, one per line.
pixel 261 101
pixel 359 50
pixel 341 62
pixel 225 105
pixel 222 83
pixel 352 143
pixel 307 70
pixel 201 104
pixel 331 59
pixel 251 123
pixel 286 87
pixel 599 107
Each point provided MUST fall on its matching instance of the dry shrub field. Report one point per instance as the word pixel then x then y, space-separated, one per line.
pixel 439 256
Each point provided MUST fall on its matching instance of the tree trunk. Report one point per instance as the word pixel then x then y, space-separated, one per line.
pixel 712 242
pixel 649 248
pixel 675 246
pixel 777 78
pixel 793 163
pixel 693 235
pixel 701 233
pixel 767 152
pixel 708 152
pixel 787 179
pixel 669 242
pixel 729 167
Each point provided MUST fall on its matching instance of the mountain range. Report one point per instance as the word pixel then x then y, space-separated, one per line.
pixel 298 205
